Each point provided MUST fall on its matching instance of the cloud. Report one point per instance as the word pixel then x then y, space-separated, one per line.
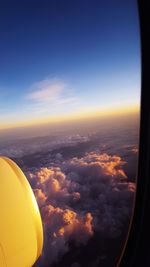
pixel 46 90
pixel 80 197
pixel 29 146
pixel 49 93
pixel 62 226
pixel 40 196
pixel 135 150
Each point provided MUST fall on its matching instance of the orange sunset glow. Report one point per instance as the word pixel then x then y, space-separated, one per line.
pixel 106 112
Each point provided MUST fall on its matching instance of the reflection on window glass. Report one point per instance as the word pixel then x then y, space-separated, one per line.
pixel 69 116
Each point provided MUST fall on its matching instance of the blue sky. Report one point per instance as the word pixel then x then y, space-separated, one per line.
pixel 61 57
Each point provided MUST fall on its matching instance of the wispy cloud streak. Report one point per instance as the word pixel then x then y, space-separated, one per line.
pixel 48 95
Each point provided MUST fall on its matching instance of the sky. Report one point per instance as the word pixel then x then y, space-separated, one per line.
pixel 66 59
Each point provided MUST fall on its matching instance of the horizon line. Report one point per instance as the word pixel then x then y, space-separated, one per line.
pixel 77 116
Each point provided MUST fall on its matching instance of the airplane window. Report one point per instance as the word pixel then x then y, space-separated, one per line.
pixel 70 77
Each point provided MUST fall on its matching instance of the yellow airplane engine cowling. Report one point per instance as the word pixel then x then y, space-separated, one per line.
pixel 21 231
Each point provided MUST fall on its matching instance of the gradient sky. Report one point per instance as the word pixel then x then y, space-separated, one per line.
pixel 67 57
